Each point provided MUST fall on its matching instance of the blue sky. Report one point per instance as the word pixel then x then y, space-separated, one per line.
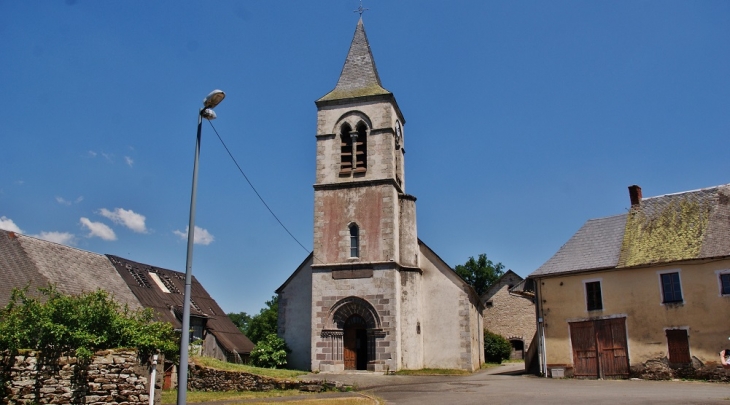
pixel 524 119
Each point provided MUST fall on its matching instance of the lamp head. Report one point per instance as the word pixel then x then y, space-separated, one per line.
pixel 214 98
pixel 208 114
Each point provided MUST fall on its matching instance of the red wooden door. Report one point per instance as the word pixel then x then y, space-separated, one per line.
pixel 583 338
pixel 613 360
pixel 349 342
pixel 678 343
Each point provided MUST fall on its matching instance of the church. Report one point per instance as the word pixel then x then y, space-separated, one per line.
pixel 371 295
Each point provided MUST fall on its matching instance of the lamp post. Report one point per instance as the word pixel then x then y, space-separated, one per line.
pixel 209 103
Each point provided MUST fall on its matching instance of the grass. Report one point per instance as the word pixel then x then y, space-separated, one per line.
pixel 243 368
pixel 433 371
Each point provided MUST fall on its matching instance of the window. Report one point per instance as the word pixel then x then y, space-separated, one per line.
pixel 490 304
pixel 354 241
pixel 594 302
pixel 671 289
pixel 345 149
pixel 725 282
pixel 353 149
pixel 197 325
pixel 678 345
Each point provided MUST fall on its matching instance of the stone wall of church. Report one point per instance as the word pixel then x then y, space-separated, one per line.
pixel 379 291
pixel 411 338
pixel 380 118
pixel 372 208
pixel 295 315
pixel 451 317
pixel 408 231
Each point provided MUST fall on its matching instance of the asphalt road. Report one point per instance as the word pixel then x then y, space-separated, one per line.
pixel 501 386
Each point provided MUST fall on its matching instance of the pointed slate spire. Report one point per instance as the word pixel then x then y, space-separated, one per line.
pixel 359 76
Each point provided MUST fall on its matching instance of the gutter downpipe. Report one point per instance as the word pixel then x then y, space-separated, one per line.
pixel 541 329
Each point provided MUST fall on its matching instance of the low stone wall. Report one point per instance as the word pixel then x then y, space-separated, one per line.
pixel 659 369
pixel 208 379
pixel 109 377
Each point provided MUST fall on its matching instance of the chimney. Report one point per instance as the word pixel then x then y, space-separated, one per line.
pixel 12 235
pixel 635 195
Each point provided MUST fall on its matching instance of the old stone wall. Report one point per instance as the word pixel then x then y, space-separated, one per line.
pixel 109 377
pixel 659 369
pixel 208 379
pixel 508 315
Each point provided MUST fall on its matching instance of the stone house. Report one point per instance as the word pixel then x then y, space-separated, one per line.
pixel 372 296
pixel 28 261
pixel 510 315
pixel 645 290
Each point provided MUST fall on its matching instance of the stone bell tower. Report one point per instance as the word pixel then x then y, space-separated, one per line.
pixel 364 222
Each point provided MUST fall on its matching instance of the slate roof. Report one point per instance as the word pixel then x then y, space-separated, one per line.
pixel 28 261
pixel 25 260
pixel 359 76
pixel 151 284
pixel 675 227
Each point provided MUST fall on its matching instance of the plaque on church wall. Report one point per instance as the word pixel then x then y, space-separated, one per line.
pixel 344 274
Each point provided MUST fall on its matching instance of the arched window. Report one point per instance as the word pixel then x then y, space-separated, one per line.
pixel 361 148
pixel 354 241
pixel 345 149
pixel 353 148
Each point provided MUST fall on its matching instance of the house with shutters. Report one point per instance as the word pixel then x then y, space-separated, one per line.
pixel 372 296
pixel 645 293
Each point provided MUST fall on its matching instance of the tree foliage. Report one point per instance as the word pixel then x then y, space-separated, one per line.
pixel 496 347
pixel 55 323
pixel 480 273
pixel 241 320
pixel 265 322
pixel 270 352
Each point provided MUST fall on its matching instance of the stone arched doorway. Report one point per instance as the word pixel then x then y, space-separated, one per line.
pixel 351 335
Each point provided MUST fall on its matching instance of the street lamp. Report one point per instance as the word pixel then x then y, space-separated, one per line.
pixel 209 103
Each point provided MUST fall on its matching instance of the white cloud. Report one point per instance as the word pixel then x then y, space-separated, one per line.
pixel 8 224
pixel 63 238
pixel 92 153
pixel 108 156
pixel 98 229
pixel 201 236
pixel 64 201
pixel 128 218
pixel 129 161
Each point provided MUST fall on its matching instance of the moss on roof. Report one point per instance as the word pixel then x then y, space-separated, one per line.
pixel 670 232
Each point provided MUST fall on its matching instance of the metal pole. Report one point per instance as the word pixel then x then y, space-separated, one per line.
pixel 182 372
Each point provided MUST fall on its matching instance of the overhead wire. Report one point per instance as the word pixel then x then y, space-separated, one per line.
pixel 256 191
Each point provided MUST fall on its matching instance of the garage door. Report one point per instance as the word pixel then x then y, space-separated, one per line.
pixel 599 348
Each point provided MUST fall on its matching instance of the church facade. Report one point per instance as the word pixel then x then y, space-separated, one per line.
pixel 372 296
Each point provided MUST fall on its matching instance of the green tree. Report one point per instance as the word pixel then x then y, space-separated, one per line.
pixel 270 352
pixel 241 320
pixel 480 273
pixel 55 323
pixel 496 347
pixel 265 322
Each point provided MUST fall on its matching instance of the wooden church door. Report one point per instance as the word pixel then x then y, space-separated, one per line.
pixel 354 343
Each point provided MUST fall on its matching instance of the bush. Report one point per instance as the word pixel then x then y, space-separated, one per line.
pixel 496 347
pixel 56 323
pixel 270 352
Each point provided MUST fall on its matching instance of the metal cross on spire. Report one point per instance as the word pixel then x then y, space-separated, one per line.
pixel 360 9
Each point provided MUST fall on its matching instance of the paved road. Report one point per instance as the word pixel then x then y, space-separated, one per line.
pixel 501 386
